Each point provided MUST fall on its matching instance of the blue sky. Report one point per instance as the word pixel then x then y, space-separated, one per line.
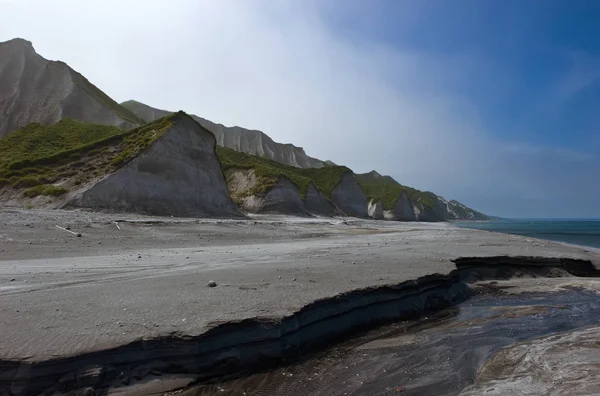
pixel 493 103
pixel 538 61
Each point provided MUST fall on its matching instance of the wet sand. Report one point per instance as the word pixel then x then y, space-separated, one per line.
pixel 63 295
pixel 441 354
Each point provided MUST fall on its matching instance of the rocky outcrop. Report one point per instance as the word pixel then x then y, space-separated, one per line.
pixel 317 203
pixel 282 198
pixel 34 89
pixel 349 197
pixel 375 210
pixel 437 212
pixel 179 174
pixel 403 210
pixel 239 139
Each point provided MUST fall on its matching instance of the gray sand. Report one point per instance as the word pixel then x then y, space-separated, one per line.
pixel 61 294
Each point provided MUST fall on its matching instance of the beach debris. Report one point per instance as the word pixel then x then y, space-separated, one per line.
pixel 67 229
pixel 117 224
pixel 294 279
pixel 212 283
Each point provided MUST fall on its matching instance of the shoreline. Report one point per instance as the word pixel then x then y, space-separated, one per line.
pixel 596 248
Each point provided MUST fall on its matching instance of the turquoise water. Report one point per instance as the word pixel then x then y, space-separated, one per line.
pixel 577 232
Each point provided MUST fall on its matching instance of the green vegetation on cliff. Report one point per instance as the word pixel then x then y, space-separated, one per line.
pixel 38 155
pixel 38 141
pixel 50 190
pixel 268 172
pixel 388 191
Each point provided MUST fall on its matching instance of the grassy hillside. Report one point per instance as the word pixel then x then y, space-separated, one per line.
pixel 388 190
pixel 36 156
pixel 38 141
pixel 268 172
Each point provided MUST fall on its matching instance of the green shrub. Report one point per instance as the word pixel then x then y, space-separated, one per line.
pixel 47 189
pixel 27 181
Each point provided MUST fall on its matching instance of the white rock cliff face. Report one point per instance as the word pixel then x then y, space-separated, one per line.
pixel 179 175
pixel 239 139
pixel 376 210
pixel 33 89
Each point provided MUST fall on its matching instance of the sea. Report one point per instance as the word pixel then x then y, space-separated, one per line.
pixel 576 232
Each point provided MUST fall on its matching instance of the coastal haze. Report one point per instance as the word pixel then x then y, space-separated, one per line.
pixel 284 198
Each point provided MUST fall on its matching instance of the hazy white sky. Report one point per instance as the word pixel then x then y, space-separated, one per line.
pixel 281 67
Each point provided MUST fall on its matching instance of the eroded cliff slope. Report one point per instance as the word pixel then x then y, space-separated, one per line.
pixel 179 174
pixel 248 141
pixel 34 89
pixel 260 185
pixel 167 167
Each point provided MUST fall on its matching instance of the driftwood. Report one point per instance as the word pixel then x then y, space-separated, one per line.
pixel 69 231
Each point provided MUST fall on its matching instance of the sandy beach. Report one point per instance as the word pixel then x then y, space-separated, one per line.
pixel 131 277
